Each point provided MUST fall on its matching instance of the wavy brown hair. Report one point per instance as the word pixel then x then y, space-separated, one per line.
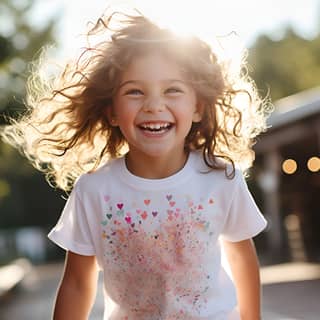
pixel 65 131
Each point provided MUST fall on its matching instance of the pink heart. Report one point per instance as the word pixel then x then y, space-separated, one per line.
pixel 144 215
pixel 128 219
pixel 172 203
pixel 120 205
pixel 106 198
pixel 146 202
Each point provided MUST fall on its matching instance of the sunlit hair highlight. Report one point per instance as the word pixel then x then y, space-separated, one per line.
pixel 65 131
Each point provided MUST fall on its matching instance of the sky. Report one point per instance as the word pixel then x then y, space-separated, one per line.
pixel 247 18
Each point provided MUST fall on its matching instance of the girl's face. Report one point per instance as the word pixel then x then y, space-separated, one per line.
pixel 154 107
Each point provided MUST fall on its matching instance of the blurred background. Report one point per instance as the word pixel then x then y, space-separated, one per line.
pixel 283 41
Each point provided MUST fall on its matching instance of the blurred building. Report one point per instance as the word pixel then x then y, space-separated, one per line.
pixel 287 172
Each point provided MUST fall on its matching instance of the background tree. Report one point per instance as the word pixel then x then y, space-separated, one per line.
pixel 285 66
pixel 25 197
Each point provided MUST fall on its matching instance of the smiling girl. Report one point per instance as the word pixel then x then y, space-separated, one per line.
pixel 149 127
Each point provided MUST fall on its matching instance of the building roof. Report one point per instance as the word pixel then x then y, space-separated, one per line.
pixel 295 107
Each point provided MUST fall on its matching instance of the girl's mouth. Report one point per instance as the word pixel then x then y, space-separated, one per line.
pixel 156 127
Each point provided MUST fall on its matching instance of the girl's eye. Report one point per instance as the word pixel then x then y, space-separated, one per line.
pixel 133 92
pixel 174 90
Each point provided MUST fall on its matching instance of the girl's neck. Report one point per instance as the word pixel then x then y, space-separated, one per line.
pixel 155 167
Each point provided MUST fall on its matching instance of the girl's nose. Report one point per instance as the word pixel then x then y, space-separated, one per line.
pixel 154 104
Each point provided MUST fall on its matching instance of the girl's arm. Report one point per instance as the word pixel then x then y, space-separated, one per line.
pixel 77 289
pixel 244 266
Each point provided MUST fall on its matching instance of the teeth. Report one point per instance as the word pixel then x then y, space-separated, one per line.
pixel 155 126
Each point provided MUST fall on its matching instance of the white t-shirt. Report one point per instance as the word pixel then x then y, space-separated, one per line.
pixel 157 241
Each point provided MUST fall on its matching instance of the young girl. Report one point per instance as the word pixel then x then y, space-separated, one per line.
pixel 154 125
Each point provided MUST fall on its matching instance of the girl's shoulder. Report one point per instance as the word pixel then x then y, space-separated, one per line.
pixel 226 171
pixel 95 179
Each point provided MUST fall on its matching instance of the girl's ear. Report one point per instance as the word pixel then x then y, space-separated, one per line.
pixel 197 115
pixel 110 116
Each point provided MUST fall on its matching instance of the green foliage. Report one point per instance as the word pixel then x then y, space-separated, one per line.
pixel 19 43
pixel 285 66
pixel 25 197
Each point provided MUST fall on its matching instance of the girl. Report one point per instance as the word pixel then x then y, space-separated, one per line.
pixel 154 125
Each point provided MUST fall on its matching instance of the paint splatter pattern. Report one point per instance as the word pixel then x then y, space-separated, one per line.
pixel 154 255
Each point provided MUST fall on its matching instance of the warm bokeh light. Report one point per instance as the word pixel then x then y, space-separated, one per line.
pixel 314 164
pixel 289 166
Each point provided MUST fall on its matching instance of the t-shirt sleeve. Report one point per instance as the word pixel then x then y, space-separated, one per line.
pixel 72 231
pixel 244 219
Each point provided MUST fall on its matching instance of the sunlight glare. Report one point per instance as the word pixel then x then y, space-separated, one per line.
pixel 200 18
pixel 213 22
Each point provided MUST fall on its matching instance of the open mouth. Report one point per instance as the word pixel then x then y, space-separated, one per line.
pixel 156 127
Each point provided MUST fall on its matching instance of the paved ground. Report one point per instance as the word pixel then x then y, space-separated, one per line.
pixel 290 292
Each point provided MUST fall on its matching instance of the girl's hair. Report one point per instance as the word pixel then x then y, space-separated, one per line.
pixel 65 130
